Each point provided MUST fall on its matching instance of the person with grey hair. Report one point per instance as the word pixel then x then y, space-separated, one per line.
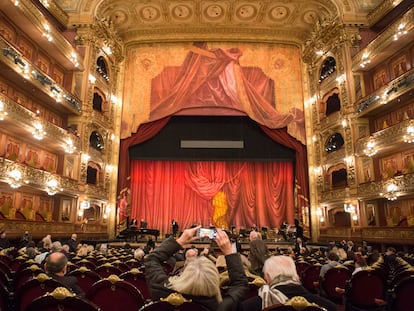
pixel 55 266
pixel 199 280
pixel 283 283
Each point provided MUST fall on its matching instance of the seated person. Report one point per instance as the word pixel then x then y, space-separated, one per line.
pixel 282 284
pixel 199 280
pixel 55 266
pixel 332 260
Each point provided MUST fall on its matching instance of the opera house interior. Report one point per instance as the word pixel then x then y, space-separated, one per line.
pixel 242 115
pixel 80 81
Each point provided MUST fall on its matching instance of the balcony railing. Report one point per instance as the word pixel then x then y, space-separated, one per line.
pixel 384 138
pixel 387 93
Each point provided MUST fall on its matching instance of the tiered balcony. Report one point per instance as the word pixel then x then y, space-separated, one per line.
pixel 19 68
pixel 22 120
pixel 389 94
pixel 32 21
pixel 391 138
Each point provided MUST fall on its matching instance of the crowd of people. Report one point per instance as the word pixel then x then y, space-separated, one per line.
pixel 200 274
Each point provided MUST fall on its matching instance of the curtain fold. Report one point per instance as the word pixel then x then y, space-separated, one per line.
pixel 212 193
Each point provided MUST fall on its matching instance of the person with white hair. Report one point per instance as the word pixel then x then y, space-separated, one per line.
pixel 199 280
pixel 283 283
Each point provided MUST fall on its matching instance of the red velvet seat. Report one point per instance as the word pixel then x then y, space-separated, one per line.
pixel 403 295
pixel 310 278
pixel 107 269
pixel 174 302
pixel 61 299
pixel 301 266
pixel 86 278
pixel 295 304
pixel 34 288
pixel 26 274
pixel 4 297
pixel 114 293
pixel 120 265
pixel 85 263
pixel 366 290
pixel 137 278
pixel 335 277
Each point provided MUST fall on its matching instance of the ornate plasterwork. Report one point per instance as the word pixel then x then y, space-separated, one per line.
pixel 229 20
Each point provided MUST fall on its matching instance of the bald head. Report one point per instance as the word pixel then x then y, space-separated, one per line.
pixel 56 263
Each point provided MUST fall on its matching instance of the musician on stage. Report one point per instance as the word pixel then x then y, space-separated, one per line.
pixel 174 226
pixel 143 224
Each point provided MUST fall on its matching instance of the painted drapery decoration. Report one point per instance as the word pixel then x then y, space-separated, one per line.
pixel 212 193
pixel 261 81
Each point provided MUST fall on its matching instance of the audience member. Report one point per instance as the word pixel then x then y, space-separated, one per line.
pixel 55 266
pixel 360 264
pixel 282 284
pixel 4 241
pixel 257 255
pixel 26 238
pixel 331 261
pixel 73 243
pixel 199 280
pixel 139 254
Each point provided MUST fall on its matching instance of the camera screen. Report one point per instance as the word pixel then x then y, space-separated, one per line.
pixel 207 232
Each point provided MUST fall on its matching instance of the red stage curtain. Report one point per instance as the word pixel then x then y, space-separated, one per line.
pixel 191 192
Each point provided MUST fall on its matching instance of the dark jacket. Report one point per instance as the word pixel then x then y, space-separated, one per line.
pixel 70 282
pixel 157 278
pixel 290 290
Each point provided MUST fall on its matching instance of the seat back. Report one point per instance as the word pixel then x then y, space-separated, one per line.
pixel 34 288
pixel 26 274
pixel 174 302
pixel 335 277
pixel 365 288
pixel 107 269
pixel 61 299
pixel 137 278
pixel 296 303
pixel 85 277
pixel 4 297
pixel 114 293
pixel 310 278
pixel 403 295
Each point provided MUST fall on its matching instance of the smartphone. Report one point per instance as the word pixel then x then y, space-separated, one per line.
pixel 206 233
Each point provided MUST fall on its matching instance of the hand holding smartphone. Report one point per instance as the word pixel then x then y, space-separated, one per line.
pixel 206 232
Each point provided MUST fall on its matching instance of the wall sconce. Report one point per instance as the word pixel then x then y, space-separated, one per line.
pixel 85 205
pixel 15 178
pixel 52 186
pixel 355 219
pixel 80 214
pixel 47 33
pixel 365 60
pixel 400 32
pixel 319 213
pixel 370 150
pixel 349 208
pixel 74 59
pixel 3 113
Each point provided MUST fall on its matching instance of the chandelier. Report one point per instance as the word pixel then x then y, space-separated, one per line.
pixel 391 193
pixel 409 137
pixel 38 132
pixel 69 148
pixel 15 178
pixel 52 186
pixel 3 113
pixel 370 150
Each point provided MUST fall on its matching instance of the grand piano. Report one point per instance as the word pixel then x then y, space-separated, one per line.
pixel 132 233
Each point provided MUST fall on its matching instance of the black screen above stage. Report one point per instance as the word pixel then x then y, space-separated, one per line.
pixel 257 146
